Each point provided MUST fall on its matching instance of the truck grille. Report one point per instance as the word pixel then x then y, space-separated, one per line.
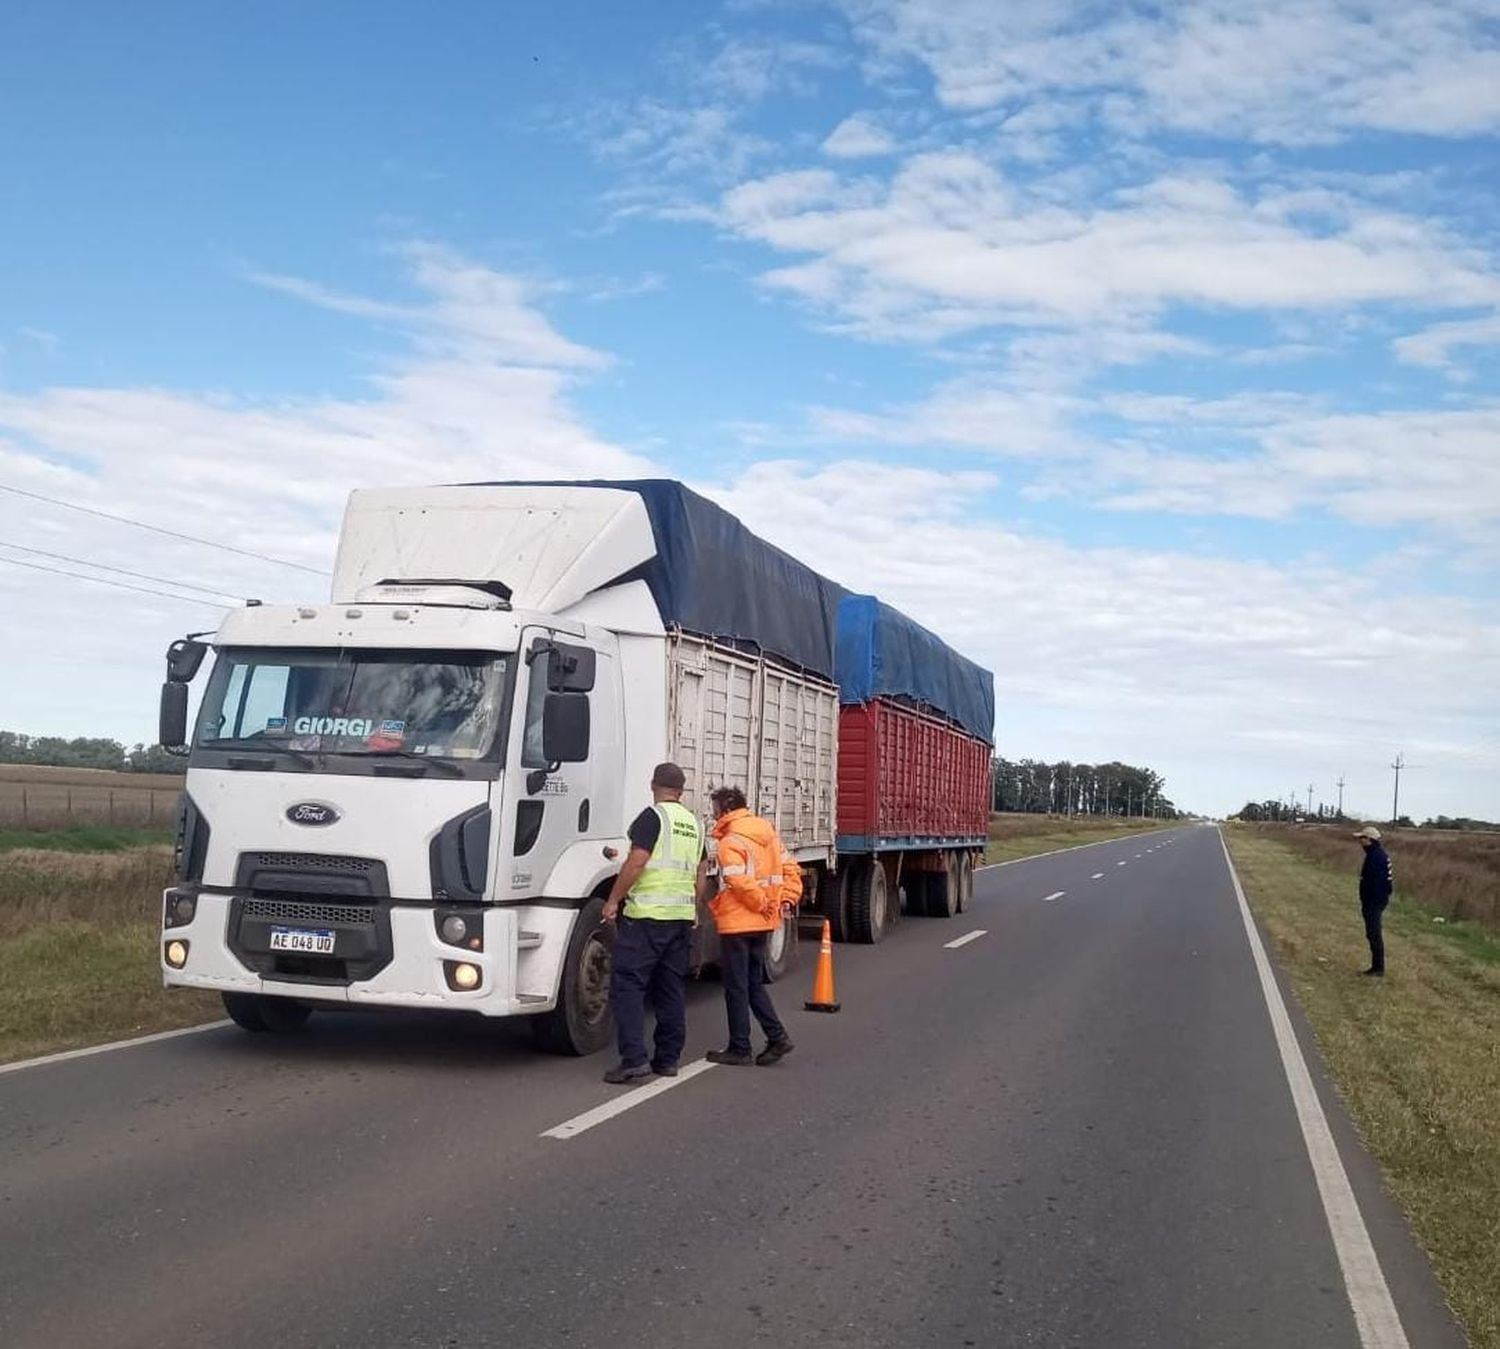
pixel 291 911
pixel 309 861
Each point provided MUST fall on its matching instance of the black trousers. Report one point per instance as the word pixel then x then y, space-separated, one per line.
pixel 650 965
pixel 742 960
pixel 1372 914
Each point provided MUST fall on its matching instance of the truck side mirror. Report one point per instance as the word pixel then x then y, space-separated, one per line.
pixel 172 730
pixel 571 669
pixel 565 728
pixel 184 657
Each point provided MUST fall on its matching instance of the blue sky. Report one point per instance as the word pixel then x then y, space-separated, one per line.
pixel 1148 354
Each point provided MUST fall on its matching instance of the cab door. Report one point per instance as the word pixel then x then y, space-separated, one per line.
pixel 549 804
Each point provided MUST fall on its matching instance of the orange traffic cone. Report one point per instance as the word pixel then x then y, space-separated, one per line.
pixel 822 997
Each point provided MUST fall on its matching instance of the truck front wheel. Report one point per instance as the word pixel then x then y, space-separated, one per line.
pixel 582 1022
pixel 256 1012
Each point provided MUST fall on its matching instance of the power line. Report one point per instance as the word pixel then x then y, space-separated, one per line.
pixel 118 585
pixel 123 571
pixel 157 529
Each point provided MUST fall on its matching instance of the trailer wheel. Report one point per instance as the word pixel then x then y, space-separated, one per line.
pixel 965 881
pixel 582 1022
pixel 259 1013
pixel 781 949
pixel 833 902
pixel 942 889
pixel 869 904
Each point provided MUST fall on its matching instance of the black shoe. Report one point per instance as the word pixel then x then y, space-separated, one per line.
pixel 729 1058
pixel 1379 974
pixel 621 1073
pixel 664 1069
pixel 775 1052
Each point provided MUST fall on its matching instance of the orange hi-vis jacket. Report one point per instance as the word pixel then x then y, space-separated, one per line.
pixel 757 875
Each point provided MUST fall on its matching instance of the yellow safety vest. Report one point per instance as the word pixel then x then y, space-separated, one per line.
pixel 665 889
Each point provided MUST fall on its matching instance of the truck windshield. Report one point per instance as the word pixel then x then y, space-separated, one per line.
pixel 438 704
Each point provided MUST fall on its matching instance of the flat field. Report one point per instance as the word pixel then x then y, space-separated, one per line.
pixel 52 798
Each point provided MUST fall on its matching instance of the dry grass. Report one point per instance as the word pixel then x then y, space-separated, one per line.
pixel 1015 836
pixel 49 798
pixel 1416 1056
pixel 1453 875
pixel 78 935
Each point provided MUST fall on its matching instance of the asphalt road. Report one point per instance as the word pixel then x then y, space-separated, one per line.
pixel 1073 1130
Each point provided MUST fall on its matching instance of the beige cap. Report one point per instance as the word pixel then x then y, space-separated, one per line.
pixel 1369 831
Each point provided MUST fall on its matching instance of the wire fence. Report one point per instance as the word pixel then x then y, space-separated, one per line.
pixel 35 805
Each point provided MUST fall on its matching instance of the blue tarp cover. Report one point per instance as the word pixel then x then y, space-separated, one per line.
pixel 712 576
pixel 883 654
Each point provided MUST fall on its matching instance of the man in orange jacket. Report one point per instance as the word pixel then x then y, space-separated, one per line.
pixel 756 878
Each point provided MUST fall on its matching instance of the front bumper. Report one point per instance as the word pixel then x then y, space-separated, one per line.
pixel 520 964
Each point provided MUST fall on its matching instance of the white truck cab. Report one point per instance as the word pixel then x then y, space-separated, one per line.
pixel 417 794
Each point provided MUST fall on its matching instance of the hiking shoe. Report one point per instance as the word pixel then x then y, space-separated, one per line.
pixel 621 1073
pixel 774 1052
pixel 729 1058
pixel 664 1069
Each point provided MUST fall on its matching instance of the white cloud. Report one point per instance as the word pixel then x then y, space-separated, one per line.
pixel 948 244
pixel 1434 346
pixel 859 137
pixel 1288 71
pixel 49 342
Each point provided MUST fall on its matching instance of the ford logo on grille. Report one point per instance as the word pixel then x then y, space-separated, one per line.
pixel 312 812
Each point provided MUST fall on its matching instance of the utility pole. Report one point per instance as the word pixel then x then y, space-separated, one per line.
pixel 1398 765
pixel 1341 796
pixel 1309 800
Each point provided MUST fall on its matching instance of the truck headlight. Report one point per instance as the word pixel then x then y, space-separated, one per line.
pixel 458 928
pixel 181 908
pixel 462 977
pixel 176 954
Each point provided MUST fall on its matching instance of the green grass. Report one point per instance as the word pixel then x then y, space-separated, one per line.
pixel 1416 1056
pixel 86 838
pixel 76 983
pixel 1016 836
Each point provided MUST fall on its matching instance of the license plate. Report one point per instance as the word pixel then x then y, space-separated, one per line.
pixel 315 943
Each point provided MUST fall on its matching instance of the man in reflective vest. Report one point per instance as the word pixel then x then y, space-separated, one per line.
pixel 757 877
pixel 654 936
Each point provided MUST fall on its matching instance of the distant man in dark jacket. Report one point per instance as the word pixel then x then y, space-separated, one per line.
pixel 1375 883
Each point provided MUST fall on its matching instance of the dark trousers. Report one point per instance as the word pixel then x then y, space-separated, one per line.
pixel 1372 915
pixel 742 959
pixel 650 966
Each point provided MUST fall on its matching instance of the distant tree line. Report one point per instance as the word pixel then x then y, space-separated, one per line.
pixel 54 751
pixel 1285 812
pixel 1029 786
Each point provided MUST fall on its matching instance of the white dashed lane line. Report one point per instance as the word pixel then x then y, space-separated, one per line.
pixel 1097 876
pixel 620 1104
pixel 1056 894
pixel 975 935
pixel 1122 864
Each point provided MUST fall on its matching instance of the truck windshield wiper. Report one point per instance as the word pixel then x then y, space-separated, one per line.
pixel 442 765
pixel 262 747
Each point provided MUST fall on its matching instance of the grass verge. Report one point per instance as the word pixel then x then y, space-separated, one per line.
pixel 1017 836
pixel 91 838
pixel 78 934
pixel 1416 1056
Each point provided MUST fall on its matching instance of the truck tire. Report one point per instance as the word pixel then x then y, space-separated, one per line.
pixel 261 1014
pixel 582 1022
pixel 942 889
pixel 965 881
pixel 781 949
pixel 869 904
pixel 833 902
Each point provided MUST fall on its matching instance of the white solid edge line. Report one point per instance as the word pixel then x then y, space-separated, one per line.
pixel 1375 1314
pixel 1058 852
pixel 975 935
pixel 628 1101
pixel 1056 894
pixel 67 1054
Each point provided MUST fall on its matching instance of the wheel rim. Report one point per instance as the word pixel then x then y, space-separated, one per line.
pixel 593 980
pixel 776 943
pixel 877 902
